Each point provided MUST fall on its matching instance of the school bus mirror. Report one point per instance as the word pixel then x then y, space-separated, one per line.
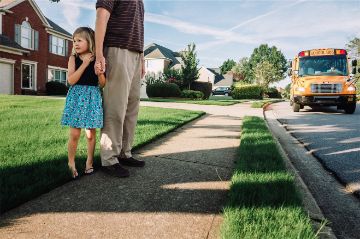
pixel 354 63
pixel 353 70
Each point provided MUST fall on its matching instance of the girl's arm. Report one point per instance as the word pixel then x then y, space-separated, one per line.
pixel 102 80
pixel 74 75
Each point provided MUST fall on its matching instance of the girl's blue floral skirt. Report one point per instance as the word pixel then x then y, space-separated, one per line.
pixel 83 107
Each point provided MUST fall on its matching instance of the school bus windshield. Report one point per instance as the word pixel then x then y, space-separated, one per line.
pixel 334 65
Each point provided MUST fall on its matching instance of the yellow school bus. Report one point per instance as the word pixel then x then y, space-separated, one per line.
pixel 322 77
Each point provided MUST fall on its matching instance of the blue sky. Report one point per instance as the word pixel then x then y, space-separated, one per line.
pixel 230 28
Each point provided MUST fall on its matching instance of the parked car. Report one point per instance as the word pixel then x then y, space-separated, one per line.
pixel 222 91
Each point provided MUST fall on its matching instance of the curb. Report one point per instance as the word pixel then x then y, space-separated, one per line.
pixel 309 203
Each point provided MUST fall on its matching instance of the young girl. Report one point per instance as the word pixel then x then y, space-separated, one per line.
pixel 83 107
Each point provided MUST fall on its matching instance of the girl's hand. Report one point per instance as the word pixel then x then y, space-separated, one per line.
pixel 97 68
pixel 87 58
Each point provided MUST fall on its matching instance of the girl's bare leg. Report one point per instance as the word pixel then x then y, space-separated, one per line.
pixel 91 142
pixel 72 146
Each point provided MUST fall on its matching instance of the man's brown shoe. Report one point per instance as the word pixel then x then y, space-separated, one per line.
pixel 116 170
pixel 131 162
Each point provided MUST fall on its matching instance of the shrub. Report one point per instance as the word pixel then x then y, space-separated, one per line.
pixel 204 87
pixel 286 93
pixel 56 88
pixel 173 76
pixel 192 94
pixel 153 79
pixel 246 91
pixel 272 93
pixel 163 90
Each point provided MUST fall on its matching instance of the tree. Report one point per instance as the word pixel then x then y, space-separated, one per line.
pixel 227 66
pixel 353 47
pixel 241 70
pixel 273 56
pixel 265 73
pixel 189 68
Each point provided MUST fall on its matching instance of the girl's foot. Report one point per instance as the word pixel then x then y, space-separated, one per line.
pixel 89 169
pixel 73 171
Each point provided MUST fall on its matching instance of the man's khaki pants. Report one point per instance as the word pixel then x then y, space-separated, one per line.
pixel 121 104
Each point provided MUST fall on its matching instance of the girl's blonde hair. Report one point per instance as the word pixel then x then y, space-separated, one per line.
pixel 88 34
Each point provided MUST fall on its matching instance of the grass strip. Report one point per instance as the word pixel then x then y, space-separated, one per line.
pixel 263 200
pixel 262 103
pixel 33 144
pixel 220 102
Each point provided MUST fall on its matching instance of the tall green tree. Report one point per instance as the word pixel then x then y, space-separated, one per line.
pixel 273 56
pixel 265 73
pixel 241 70
pixel 227 66
pixel 189 68
pixel 353 47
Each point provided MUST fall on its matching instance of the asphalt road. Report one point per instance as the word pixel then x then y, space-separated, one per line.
pixel 332 136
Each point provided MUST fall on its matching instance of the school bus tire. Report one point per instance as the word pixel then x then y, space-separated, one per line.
pixel 296 107
pixel 350 108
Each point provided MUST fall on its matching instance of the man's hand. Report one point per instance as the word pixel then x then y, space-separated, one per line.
pixel 142 62
pixel 100 64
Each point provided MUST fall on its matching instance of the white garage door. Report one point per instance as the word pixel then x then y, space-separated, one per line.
pixel 6 78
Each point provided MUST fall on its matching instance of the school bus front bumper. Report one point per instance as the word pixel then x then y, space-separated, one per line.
pixel 325 99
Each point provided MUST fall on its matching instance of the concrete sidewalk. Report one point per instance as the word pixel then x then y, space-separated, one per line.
pixel 179 193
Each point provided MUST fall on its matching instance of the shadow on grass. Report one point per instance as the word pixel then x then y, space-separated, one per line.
pixel 168 183
pixel 21 183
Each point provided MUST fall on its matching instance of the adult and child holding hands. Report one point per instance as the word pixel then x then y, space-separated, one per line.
pixel 114 50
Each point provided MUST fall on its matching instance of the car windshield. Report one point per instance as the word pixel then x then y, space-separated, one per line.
pixel 323 66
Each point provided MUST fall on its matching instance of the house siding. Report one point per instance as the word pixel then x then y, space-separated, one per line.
pixel 42 56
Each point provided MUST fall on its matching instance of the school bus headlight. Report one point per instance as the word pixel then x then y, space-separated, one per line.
pixel 351 88
pixel 301 89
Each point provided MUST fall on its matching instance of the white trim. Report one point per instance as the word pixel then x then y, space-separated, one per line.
pixel 13 4
pixel 12 50
pixel 35 7
pixel 58 34
pixel 35 73
pixel 55 67
pixel 5 60
pixel 29 62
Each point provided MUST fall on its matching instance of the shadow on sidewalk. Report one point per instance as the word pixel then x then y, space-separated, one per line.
pixel 191 181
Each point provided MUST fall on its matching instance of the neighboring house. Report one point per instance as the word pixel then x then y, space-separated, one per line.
pixel 213 76
pixel 157 60
pixel 33 49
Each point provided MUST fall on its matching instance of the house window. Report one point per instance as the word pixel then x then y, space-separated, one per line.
pixel 26 36
pixel 57 45
pixel 27 76
pixel 57 75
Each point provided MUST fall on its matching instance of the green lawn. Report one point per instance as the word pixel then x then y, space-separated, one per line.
pixel 222 101
pixel 33 158
pixel 263 200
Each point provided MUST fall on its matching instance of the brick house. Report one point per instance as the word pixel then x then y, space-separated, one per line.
pixel 33 49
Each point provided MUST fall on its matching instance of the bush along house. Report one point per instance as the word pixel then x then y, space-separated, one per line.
pixel 33 49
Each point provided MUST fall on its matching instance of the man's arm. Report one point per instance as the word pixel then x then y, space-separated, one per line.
pixel 102 18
